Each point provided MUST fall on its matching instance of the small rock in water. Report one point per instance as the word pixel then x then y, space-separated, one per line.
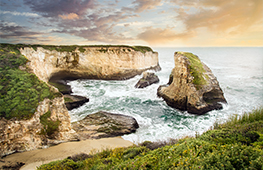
pixel 147 80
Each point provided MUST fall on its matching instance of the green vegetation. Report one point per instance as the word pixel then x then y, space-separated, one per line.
pixel 50 127
pixel 104 48
pixel 72 48
pixel 67 99
pixel 20 90
pixel 196 69
pixel 237 144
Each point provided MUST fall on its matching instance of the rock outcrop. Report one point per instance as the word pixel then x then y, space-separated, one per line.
pixel 74 101
pixel 24 135
pixel 147 80
pixel 192 86
pixel 103 124
pixel 110 63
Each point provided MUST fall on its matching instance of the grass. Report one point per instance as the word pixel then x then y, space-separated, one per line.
pixel 226 147
pixel 196 69
pixel 20 90
pixel 72 48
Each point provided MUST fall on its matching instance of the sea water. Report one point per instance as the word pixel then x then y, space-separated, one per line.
pixel 239 71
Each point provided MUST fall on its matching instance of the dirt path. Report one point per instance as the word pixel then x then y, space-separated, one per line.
pixel 33 159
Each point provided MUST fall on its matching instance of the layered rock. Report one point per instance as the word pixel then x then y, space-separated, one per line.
pixel 24 135
pixel 104 124
pixel 147 80
pixel 192 86
pixel 74 101
pixel 113 62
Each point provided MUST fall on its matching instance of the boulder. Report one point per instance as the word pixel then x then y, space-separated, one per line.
pixel 147 80
pixel 192 86
pixel 104 124
pixel 74 101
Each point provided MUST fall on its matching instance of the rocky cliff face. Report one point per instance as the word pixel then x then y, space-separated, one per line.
pixel 24 135
pixel 92 62
pixel 50 124
pixel 192 86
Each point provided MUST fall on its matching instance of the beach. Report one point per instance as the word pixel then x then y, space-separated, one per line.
pixel 35 158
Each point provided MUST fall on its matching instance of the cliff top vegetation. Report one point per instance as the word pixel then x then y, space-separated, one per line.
pixel 236 144
pixel 71 48
pixel 20 90
pixel 196 69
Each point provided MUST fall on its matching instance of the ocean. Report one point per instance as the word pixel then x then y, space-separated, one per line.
pixel 239 71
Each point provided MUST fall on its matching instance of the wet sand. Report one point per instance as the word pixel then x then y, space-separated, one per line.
pixel 35 158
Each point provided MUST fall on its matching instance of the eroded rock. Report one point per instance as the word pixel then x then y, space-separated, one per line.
pixel 109 63
pixel 147 80
pixel 104 124
pixel 192 86
pixel 25 135
pixel 74 101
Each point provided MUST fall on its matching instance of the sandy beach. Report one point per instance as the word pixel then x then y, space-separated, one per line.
pixel 35 158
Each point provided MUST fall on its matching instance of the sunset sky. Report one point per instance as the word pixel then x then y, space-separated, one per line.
pixel 158 23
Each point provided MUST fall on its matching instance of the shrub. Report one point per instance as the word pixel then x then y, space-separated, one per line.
pixel 20 90
pixel 50 126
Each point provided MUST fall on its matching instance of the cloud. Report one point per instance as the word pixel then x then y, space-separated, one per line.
pixel 54 8
pixel 160 35
pixel 142 5
pixel 87 19
pixel 27 14
pixel 11 30
pixel 70 16
pixel 220 16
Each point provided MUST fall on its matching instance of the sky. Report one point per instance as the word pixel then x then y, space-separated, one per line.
pixel 157 23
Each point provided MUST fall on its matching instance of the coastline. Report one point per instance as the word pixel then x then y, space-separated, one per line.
pixel 35 158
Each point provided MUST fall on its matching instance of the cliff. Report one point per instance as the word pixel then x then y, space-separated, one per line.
pixel 23 135
pixel 94 62
pixel 33 113
pixel 192 86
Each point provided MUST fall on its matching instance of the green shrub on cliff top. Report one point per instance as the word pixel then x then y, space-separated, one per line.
pixel 196 69
pixel 72 48
pixel 215 149
pixel 20 91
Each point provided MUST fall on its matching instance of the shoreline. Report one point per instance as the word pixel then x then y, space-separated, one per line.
pixel 35 158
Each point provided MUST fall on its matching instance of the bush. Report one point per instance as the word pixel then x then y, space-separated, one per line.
pixel 20 90
pixel 50 126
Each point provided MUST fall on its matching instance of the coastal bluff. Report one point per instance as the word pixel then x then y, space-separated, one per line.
pixel 90 62
pixel 33 113
pixel 192 86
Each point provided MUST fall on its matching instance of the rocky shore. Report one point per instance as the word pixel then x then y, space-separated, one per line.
pixel 54 65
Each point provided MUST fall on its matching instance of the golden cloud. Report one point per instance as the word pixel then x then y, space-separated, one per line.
pixel 159 35
pixel 70 16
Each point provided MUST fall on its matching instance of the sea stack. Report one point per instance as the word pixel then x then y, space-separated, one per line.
pixel 192 87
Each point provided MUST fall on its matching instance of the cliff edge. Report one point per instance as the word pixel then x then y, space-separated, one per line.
pixel 90 62
pixel 192 86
